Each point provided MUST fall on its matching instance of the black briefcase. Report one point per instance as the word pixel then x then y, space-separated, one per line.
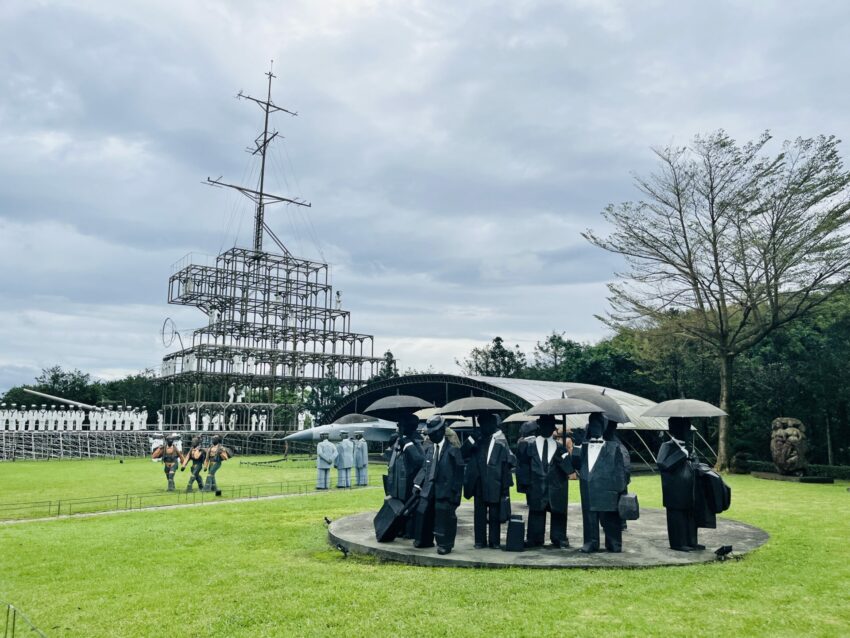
pixel 628 507
pixel 718 495
pixel 390 519
pixel 516 534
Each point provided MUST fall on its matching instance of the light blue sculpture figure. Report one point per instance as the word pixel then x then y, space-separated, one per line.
pixel 361 459
pixel 326 454
pixel 344 460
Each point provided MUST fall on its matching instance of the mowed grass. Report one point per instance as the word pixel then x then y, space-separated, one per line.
pixel 264 568
pixel 31 489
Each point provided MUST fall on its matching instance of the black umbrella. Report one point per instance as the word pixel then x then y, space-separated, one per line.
pixel 684 408
pixel 473 406
pixel 398 404
pixel 611 410
pixel 565 407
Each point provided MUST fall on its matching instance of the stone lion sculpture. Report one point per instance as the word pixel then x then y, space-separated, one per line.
pixel 788 446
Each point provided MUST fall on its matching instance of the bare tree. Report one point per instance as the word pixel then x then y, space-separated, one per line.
pixel 729 244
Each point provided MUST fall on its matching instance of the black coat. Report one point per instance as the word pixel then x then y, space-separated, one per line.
pixel 447 482
pixel 405 462
pixel 493 478
pixel 677 476
pixel 607 481
pixel 546 487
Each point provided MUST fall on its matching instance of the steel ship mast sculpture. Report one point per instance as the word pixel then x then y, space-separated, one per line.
pixel 273 325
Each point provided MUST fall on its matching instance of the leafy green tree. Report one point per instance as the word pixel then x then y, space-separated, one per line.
pixel 389 368
pixel 494 360
pixel 740 243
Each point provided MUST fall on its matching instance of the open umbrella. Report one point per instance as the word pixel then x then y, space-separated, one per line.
pixel 397 404
pixel 685 408
pixel 565 407
pixel 473 406
pixel 611 410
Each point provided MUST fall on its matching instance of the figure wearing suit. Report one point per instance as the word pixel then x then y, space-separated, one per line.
pixel 439 482
pixel 602 479
pixel 678 487
pixel 361 459
pixel 487 479
pixel 548 466
pixel 406 459
pixel 344 460
pixel 326 454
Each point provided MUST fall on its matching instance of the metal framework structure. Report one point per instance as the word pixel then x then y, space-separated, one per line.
pixel 273 321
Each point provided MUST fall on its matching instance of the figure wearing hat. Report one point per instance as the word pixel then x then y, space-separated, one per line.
pixel 602 479
pixel 344 460
pixel 546 467
pixel 406 459
pixel 326 454
pixel 487 479
pixel 440 483
pixel 171 457
pixel 361 459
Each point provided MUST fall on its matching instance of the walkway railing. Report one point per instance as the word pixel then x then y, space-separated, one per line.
pixel 17 624
pixel 121 502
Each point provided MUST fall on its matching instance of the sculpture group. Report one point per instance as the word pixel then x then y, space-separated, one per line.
pixel 429 472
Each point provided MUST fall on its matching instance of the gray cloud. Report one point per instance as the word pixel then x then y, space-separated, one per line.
pixel 453 153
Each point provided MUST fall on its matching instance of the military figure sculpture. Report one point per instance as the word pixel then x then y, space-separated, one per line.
pixel 602 479
pixel 406 459
pixel 171 459
pixel 361 459
pixel 326 454
pixel 344 461
pixel 487 479
pixel 439 482
pixel 546 465
pixel 678 486
pixel 216 454
pixel 197 455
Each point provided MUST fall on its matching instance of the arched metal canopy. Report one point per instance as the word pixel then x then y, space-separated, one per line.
pixel 520 394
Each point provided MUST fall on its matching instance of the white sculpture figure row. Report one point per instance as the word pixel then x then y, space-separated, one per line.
pixel 218 420
pixel 21 418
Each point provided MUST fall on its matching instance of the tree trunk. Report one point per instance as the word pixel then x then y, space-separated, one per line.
pixel 723 429
pixel 828 441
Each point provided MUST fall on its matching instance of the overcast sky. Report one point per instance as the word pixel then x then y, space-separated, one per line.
pixel 452 151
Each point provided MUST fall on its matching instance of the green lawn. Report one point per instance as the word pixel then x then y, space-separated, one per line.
pixel 264 568
pixel 30 489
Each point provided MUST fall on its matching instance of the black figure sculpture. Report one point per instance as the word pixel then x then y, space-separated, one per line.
pixel 440 482
pixel 679 486
pixel 547 466
pixel 610 434
pixel 527 434
pixel 602 479
pixel 406 460
pixel 487 478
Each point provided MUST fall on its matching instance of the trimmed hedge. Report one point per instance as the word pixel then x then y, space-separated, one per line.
pixel 838 472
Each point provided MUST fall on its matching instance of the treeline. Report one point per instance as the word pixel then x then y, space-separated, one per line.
pixel 137 390
pixel 798 371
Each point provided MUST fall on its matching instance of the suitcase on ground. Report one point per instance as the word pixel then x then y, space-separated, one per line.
pixel 390 519
pixel 516 534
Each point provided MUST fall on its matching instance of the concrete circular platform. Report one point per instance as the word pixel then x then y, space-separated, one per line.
pixel 644 544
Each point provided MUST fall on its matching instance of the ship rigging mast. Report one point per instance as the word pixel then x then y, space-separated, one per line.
pixel 274 326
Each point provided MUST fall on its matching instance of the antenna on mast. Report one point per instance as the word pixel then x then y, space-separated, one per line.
pixel 261 198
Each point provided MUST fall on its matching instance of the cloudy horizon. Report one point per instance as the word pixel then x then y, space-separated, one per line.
pixel 452 152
